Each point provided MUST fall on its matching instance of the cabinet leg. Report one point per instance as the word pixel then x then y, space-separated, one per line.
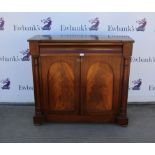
pixel 122 120
pixel 38 120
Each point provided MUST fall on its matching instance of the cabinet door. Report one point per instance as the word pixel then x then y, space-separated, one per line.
pixel 60 83
pixel 101 76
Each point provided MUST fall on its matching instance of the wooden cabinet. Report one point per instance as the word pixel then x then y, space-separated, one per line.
pixel 81 78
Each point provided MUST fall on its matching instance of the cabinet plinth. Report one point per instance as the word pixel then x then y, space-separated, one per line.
pixel 81 78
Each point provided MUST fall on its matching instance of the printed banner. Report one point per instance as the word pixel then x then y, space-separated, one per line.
pixel 16 81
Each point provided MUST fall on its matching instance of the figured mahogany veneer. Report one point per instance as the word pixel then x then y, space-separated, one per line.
pixel 81 78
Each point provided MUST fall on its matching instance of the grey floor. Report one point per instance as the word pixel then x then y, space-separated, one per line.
pixel 16 126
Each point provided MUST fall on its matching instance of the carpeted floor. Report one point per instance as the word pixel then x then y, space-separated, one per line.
pixel 16 126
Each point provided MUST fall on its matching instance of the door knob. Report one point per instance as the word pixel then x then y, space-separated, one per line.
pixel 81 54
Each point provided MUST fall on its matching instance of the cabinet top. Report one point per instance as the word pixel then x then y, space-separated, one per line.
pixel 80 38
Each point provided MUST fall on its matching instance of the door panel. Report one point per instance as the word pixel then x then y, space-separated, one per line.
pixel 99 87
pixel 61 87
pixel 101 73
pixel 61 77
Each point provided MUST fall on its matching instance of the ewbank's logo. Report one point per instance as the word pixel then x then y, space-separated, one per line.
pixel 26 55
pixel 140 59
pixel 129 28
pixel 136 84
pixel 47 23
pixel 94 24
pixel 2 23
pixel 142 24
pixel 5 83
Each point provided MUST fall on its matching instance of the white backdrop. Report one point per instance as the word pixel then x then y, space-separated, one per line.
pixel 16 83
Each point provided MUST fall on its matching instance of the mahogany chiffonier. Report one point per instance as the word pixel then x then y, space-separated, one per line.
pixel 81 78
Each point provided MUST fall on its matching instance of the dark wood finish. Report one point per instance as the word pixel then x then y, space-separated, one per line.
pixel 81 78
pixel 100 72
pixel 60 83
